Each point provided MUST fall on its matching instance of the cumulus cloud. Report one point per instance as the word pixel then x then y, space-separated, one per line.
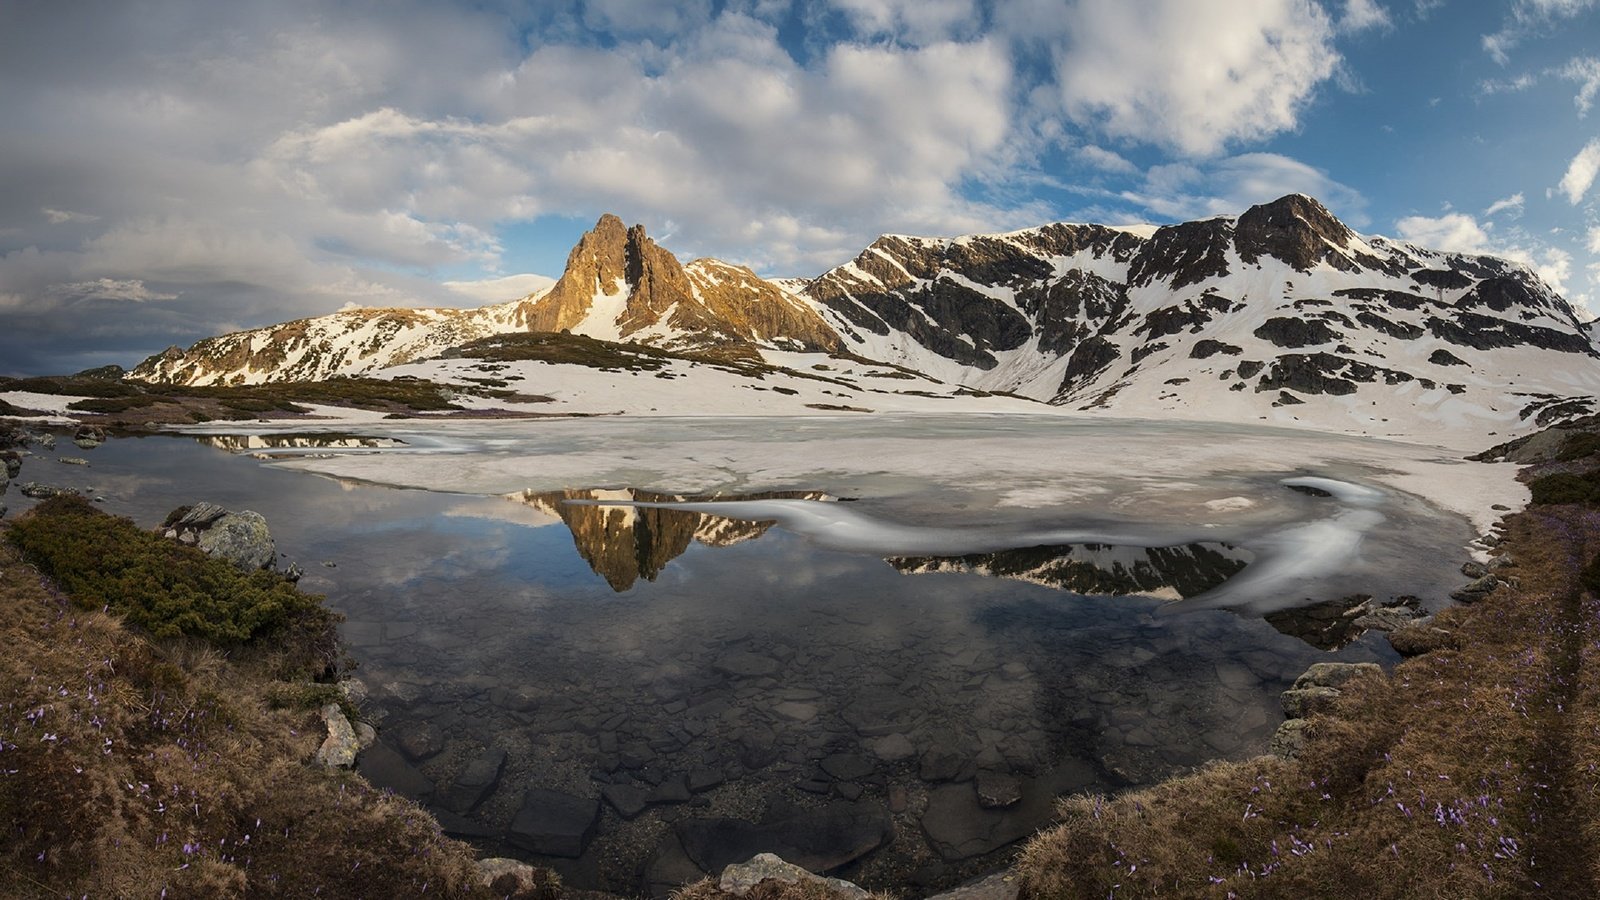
pixel 495 290
pixel 1581 172
pixel 1458 232
pixel 1192 75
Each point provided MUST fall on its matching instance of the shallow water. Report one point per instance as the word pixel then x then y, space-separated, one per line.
pixel 732 682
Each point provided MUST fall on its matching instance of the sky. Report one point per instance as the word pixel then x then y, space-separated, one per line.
pixel 174 169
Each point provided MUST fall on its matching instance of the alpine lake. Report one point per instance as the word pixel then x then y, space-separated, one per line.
pixel 636 691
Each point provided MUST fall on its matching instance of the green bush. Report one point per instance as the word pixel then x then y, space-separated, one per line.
pixel 1566 488
pixel 160 586
pixel 1579 446
pixel 114 404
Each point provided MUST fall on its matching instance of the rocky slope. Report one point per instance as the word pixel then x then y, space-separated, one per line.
pixel 1281 314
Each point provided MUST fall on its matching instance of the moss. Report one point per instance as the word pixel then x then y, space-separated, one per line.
pixel 102 561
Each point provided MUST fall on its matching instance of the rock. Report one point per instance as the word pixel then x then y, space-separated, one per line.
pixel 879 712
pixel 1302 702
pixel 819 840
pixel 475 782
pixel 998 790
pixel 384 768
pixel 420 740
pixel 941 763
pixel 999 886
pixel 294 573
pixel 704 779
pixel 892 748
pixel 629 800
pixel 959 827
pixel 241 538
pixel 1474 569
pixel 551 823
pixel 1503 561
pixel 44 491
pixel 742 664
pixel 847 766
pixel 89 437
pixel 516 880
pixel 353 690
pixel 366 736
pixel 13 461
pixel 47 441
pixel 740 878
pixel 1477 590
pixel 1289 739
pixel 339 748
pixel 1334 674
pixel 1418 638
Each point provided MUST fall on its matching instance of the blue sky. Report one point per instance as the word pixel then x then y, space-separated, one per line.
pixel 174 169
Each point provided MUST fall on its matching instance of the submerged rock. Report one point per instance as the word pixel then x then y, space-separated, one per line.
pixel 741 878
pixel 241 538
pixel 551 823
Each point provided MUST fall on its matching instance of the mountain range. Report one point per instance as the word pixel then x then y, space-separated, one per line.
pixel 1282 313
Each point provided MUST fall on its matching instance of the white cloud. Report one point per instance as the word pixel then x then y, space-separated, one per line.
pixel 1193 75
pixel 1360 15
pixel 1581 172
pixel 1585 70
pixel 917 21
pixel 62 216
pixel 128 290
pixel 1511 204
pixel 495 290
pixel 1457 232
pixel 1183 191
pixel 1105 160
pixel 1528 18
pixel 1593 240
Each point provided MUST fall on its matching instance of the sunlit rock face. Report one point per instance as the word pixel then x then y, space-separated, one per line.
pixel 1167 572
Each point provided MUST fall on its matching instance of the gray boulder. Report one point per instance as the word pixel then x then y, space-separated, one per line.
pixel 241 538
pixel 1289 739
pixel 43 491
pixel 1477 590
pixel 740 879
pixel 1334 674
pixel 339 748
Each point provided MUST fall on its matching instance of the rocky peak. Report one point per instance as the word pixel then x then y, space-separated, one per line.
pixel 597 263
pixel 1296 229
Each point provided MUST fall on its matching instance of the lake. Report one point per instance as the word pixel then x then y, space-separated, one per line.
pixel 879 647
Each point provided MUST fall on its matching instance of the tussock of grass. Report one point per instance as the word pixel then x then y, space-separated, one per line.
pixel 1466 773
pixel 134 768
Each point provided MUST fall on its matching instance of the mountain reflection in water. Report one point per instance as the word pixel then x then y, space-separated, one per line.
pixel 1168 573
pixel 248 443
pixel 623 541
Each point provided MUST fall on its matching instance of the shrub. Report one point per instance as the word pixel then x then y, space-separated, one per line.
pixel 103 561
pixel 1579 446
pixel 1566 488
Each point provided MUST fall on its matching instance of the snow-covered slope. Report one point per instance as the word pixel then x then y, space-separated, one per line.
pixel 1282 314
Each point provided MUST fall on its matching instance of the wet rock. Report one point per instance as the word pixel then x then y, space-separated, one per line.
pixel 551 823
pixel 880 712
pixel 419 740
pixel 516 880
pixel 339 748
pixel 741 878
pixel 704 779
pixel 959 827
pixel 475 782
pixel 43 491
pixel 892 748
pixel 1477 590
pixel 847 766
pixel 89 437
pixel 366 736
pixel 998 790
pixel 1474 569
pixel 941 763
pixel 742 664
pixel 1502 562
pixel 628 800
pixel 671 790
pixel 819 840
pixel 72 461
pixel 796 710
pixel 385 768
pixel 241 538
pixel 1289 739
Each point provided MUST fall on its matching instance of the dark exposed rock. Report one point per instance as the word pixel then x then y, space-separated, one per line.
pixel 1295 229
pixel 1089 359
pixel 1286 332
pixel 1402 330
pixel 1205 348
pixel 1446 279
pixel 1183 254
pixel 1144 350
pixel 1287 399
pixel 1482 332
pixel 1443 357
pixel 1250 367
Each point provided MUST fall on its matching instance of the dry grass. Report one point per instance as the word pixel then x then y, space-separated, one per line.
pixel 1467 773
pixel 130 768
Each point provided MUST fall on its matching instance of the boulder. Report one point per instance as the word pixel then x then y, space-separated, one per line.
pixel 1289 739
pixel 475 782
pixel 999 886
pixel 551 823
pixel 43 491
pixel 516 880
pixel 1477 590
pixel 1421 637
pixel 740 879
pixel 1334 674
pixel 1297 704
pixel 339 748
pixel 241 538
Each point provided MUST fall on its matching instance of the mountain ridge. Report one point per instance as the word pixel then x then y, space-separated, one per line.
pixel 1283 305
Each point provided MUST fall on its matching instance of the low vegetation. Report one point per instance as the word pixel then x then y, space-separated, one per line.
pixel 139 766
pixel 1468 772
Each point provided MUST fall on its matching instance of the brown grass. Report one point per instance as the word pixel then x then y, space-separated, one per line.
pixel 130 768
pixel 1466 773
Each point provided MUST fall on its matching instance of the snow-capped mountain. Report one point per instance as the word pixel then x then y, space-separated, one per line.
pixel 1282 313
